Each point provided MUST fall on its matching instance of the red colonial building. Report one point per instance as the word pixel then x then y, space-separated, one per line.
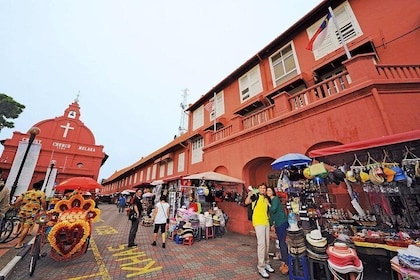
pixel 63 145
pixel 286 99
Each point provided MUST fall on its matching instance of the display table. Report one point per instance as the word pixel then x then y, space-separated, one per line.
pixel 403 272
pixel 377 249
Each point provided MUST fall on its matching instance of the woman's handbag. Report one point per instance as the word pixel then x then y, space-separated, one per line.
pixel 132 215
pixel 318 169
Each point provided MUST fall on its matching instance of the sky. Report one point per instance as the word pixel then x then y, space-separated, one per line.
pixel 129 62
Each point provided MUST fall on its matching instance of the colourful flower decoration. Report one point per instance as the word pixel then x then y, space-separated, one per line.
pixel 73 226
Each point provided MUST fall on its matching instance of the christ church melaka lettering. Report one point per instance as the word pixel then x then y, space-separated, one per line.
pixel 86 149
pixel 61 146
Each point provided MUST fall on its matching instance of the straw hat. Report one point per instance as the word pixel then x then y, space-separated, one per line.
pixel 316 239
pixel 343 259
pixel 187 225
pixel 389 174
pixel 375 178
pixel 364 177
pixel 350 176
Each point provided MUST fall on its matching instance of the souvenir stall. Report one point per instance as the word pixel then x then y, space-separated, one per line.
pixel 200 206
pixel 314 252
pixel 377 203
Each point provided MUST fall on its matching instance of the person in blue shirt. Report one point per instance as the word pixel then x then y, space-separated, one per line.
pixel 121 204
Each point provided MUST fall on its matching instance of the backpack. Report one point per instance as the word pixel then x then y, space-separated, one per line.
pixel 251 209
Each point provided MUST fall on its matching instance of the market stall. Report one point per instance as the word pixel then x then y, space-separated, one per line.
pixel 380 205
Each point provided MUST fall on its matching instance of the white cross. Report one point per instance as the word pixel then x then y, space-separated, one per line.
pixel 66 129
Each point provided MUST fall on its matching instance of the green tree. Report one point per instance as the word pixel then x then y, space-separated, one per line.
pixel 9 109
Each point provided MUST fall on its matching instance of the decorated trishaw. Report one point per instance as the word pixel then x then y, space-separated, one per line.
pixel 71 226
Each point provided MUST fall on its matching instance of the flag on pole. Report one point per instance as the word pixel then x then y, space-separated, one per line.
pixel 209 106
pixel 319 35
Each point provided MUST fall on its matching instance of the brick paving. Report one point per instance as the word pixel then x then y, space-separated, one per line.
pixel 231 257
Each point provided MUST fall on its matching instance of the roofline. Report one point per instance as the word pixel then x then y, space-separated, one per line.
pixel 312 15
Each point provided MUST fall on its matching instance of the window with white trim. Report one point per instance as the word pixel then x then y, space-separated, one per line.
pixel 170 168
pixel 349 27
pixel 148 173
pixel 197 150
pixel 154 170
pixel 161 169
pixel 284 65
pixel 250 84
pixel 181 162
pixel 219 106
pixel 198 118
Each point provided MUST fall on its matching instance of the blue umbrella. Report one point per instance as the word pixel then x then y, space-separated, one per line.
pixel 288 160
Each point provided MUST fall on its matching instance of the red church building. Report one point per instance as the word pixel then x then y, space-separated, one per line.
pixel 62 147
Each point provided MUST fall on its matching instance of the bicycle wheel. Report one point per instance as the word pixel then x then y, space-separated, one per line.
pixel 36 248
pixel 17 228
pixel 6 229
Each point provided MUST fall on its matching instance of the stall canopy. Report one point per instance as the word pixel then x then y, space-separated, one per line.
pixel 213 176
pixel 391 144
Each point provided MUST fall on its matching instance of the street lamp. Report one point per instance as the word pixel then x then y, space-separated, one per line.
pixel 53 162
pixel 34 131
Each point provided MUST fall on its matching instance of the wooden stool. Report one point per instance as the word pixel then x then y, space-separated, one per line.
pixel 188 241
pixel 298 268
pixel 318 269
pixel 209 232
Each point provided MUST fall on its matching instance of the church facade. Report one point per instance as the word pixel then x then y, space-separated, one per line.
pixel 63 148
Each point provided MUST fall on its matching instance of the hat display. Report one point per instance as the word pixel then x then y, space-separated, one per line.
pixel 389 174
pixel 350 176
pixel 316 239
pixel 296 242
pixel 364 177
pixel 399 174
pixel 375 178
pixel 187 225
pixel 343 259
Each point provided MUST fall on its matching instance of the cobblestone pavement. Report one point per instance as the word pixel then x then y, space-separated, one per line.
pixel 231 257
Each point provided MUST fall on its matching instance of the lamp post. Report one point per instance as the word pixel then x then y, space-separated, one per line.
pixel 49 175
pixel 34 131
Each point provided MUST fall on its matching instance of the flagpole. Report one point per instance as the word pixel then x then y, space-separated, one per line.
pixel 214 110
pixel 339 34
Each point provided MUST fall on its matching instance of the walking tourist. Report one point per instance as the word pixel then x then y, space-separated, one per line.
pixel 160 217
pixel 4 200
pixel 278 220
pixel 121 204
pixel 29 204
pixel 261 225
pixel 138 209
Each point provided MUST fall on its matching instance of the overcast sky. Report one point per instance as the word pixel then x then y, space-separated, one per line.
pixel 130 60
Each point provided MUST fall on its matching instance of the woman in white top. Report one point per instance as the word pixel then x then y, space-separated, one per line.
pixel 161 218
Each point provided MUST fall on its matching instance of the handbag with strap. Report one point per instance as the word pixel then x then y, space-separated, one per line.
pixel 132 215
pixel 318 169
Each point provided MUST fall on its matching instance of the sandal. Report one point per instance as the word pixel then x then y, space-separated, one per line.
pixel 19 247
pixel 284 269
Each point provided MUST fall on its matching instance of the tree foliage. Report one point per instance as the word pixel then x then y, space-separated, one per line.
pixel 9 110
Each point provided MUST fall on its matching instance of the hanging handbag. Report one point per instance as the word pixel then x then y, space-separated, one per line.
pixel 318 169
